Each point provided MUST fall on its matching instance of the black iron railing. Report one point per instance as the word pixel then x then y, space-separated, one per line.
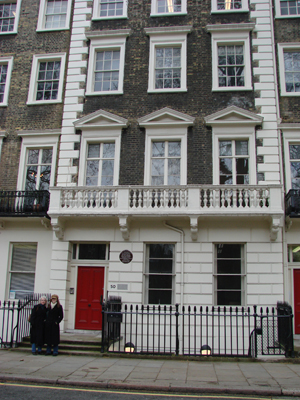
pixel 292 203
pixel 14 325
pixel 198 331
pixel 24 203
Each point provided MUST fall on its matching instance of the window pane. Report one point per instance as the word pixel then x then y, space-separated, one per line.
pixel 241 147
pixel 158 149
pixel 160 266
pixel 225 148
pixel 294 151
pixel 160 297
pixel 91 251
pixel 161 250
pixel 231 266
pixel 296 253
pixel 174 149
pixel 47 156
pixel 94 150
pixel 228 251
pixel 229 298
pixel 108 150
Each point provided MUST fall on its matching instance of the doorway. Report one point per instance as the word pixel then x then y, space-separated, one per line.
pixel 297 300
pixel 90 285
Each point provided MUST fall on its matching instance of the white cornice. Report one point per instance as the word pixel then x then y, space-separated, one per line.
pixel 113 120
pixel 46 132
pixel 162 30
pixel 289 127
pixel 178 118
pixel 107 33
pixel 226 117
pixel 230 27
pixel 3 134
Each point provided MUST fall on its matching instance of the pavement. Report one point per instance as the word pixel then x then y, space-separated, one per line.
pixel 258 377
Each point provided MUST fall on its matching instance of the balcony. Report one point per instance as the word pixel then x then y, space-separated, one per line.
pixel 181 200
pixel 24 203
pixel 292 203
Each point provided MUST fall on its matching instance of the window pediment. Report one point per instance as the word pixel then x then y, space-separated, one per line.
pixel 166 116
pixel 233 115
pixel 101 119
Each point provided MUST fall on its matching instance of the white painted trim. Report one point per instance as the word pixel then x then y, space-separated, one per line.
pixel 37 141
pixel 278 12
pixel 9 62
pixel 102 43
pixel 214 8
pixel 16 23
pixel 41 18
pixel 96 11
pixel 164 133
pixel 155 13
pixel 33 77
pixel 234 133
pixel 168 38
pixel 3 134
pixel 281 48
pixel 290 136
pixel 223 35
pixel 99 136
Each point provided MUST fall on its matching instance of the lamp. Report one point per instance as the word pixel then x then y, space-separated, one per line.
pixel 205 350
pixel 129 347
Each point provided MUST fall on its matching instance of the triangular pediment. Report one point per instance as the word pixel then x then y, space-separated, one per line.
pixel 233 115
pixel 100 119
pixel 166 116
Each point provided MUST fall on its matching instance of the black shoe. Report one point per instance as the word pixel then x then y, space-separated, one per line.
pixel 48 354
pixel 40 353
pixel 55 354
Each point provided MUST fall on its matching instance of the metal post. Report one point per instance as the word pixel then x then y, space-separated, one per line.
pixel 177 335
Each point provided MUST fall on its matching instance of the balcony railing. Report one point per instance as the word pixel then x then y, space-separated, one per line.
pixel 292 203
pixel 24 203
pixel 143 200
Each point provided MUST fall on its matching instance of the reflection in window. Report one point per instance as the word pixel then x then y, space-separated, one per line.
pixel 159 273
pixel 229 271
pixel 38 169
pixel 288 7
pixel 294 254
pixel 56 13
pixel 111 8
pixel 7 16
pixel 165 163
pixel 107 71
pixel 234 162
pixel 229 4
pixel 292 70
pixel 100 164
pixel 168 68
pixel 295 165
pixel 48 80
pixel 168 6
pixel 231 66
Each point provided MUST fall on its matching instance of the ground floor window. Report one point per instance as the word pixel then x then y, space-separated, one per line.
pixel 294 254
pixel 159 275
pixel 22 270
pixel 229 274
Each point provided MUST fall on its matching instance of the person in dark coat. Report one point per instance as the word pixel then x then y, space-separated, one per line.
pixel 54 317
pixel 37 328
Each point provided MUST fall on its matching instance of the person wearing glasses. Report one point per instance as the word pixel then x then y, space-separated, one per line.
pixel 37 328
pixel 54 317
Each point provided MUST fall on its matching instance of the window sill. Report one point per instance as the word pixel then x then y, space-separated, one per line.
pixel 232 89
pixel 292 94
pixel 287 16
pixel 43 102
pixel 168 14
pixel 109 18
pixel 166 90
pixel 53 29
pixel 103 93
pixel 3 104
pixel 8 33
pixel 229 11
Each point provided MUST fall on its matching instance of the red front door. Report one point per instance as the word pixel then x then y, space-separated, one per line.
pixel 90 284
pixel 297 300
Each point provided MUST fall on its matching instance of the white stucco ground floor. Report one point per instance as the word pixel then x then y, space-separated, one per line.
pixel 231 261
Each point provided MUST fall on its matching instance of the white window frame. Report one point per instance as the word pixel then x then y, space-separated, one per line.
pixel 278 12
pixel 281 48
pixel 101 41
pixel 168 37
pixel 17 16
pixel 37 140
pixel 9 62
pixel 3 135
pixel 96 11
pixel 154 12
pixel 161 135
pixel 42 18
pixel 227 35
pixel 214 8
pixel 99 136
pixel 243 274
pixel 291 135
pixel 234 133
pixel 146 272
pixel 10 272
pixel 34 74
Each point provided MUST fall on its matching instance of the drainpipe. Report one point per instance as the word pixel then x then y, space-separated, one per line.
pixel 181 231
pixel 284 240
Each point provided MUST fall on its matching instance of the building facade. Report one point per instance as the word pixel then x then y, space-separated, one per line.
pixel 170 168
